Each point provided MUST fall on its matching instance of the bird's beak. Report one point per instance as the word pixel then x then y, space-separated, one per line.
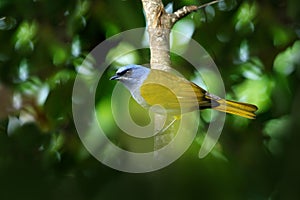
pixel 115 77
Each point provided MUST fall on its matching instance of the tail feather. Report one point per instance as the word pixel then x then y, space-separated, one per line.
pixel 237 108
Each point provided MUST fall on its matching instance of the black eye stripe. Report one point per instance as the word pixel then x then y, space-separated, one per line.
pixel 123 72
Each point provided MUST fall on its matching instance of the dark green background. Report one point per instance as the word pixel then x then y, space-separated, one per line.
pixel 256 46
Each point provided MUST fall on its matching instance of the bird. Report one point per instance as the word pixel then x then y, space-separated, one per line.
pixel 174 93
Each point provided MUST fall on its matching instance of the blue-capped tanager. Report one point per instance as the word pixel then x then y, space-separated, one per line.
pixel 175 94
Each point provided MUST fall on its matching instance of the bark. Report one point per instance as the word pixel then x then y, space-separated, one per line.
pixel 159 27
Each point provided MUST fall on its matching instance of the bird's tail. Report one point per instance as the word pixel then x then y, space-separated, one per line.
pixel 237 108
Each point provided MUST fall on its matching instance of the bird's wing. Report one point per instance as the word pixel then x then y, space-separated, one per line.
pixel 172 92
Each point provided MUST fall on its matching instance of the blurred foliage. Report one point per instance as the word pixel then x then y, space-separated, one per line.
pixel 256 46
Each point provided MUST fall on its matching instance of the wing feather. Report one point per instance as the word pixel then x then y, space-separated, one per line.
pixel 172 92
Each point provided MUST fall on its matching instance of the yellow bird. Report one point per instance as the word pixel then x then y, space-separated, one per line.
pixel 177 95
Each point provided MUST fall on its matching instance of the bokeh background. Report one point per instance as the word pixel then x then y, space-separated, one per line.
pixel 255 45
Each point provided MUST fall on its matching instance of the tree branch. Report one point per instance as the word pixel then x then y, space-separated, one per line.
pixel 159 28
pixel 185 10
pixel 160 24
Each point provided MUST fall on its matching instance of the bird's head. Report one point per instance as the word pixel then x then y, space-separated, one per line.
pixel 132 76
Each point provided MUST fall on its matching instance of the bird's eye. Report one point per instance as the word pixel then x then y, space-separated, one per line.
pixel 121 73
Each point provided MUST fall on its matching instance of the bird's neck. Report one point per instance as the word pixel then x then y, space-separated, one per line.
pixel 134 88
